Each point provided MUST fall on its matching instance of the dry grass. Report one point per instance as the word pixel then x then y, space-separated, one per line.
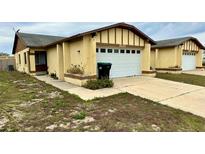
pixel 27 104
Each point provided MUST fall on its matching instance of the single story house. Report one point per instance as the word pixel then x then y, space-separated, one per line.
pixel 176 55
pixel 123 45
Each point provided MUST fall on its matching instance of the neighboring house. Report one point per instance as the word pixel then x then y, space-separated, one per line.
pixel 177 54
pixel 203 58
pixel 6 61
pixel 123 45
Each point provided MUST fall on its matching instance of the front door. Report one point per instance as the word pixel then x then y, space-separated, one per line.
pixel 41 61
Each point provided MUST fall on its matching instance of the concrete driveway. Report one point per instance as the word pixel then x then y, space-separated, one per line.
pixel 195 72
pixel 183 96
pixel 186 97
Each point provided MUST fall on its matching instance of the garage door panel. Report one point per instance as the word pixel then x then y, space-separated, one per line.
pixel 188 61
pixel 123 64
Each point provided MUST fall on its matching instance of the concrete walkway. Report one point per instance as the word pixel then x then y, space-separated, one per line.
pixel 83 93
pixel 195 72
pixel 183 96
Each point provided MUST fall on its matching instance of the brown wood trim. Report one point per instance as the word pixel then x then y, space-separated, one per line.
pixel 117 45
pixel 32 72
pixel 128 39
pixel 108 36
pixel 200 67
pixel 122 36
pixel 133 38
pixel 31 54
pixel 115 36
pixel 168 69
pixel 100 37
pixel 80 77
pixel 148 72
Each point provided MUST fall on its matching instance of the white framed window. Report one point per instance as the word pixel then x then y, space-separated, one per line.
pixel 128 51
pixel 109 50
pixel 103 50
pixel 122 51
pixel 116 50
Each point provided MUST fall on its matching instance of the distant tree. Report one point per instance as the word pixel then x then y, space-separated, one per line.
pixel 4 54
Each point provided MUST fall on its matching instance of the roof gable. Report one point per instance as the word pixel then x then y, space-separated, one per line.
pixel 118 25
pixel 176 42
pixel 34 40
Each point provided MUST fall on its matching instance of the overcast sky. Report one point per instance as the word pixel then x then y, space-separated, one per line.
pixel 156 30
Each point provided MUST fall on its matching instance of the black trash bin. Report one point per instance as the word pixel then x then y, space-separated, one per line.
pixel 104 70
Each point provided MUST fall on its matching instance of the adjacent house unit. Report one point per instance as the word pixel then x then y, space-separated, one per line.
pixel 123 45
pixel 180 54
pixel 7 62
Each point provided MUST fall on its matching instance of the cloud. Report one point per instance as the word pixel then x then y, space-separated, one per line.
pixel 156 30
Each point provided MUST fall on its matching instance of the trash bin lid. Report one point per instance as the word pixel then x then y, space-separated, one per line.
pixel 104 64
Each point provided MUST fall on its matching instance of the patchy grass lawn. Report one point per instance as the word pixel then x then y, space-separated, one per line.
pixel 27 104
pixel 185 78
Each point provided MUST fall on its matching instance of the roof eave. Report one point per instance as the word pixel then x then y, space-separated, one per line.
pixel 143 35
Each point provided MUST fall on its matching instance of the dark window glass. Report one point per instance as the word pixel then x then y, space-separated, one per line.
pixel 25 58
pixel 138 51
pixel 102 50
pixel 127 51
pixel 122 51
pixel 40 58
pixel 133 51
pixel 116 51
pixel 96 49
pixel 109 50
pixel 19 59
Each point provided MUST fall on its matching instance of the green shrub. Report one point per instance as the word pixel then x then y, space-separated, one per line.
pixel 79 116
pixel 98 84
pixel 76 69
pixel 54 76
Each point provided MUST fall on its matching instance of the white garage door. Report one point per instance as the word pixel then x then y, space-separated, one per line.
pixel 188 61
pixel 125 62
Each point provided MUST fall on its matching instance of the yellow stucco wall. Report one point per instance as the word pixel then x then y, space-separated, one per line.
pixel 166 58
pixel 20 64
pixel 76 51
pixel 52 60
pixel 152 59
pixel 199 58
